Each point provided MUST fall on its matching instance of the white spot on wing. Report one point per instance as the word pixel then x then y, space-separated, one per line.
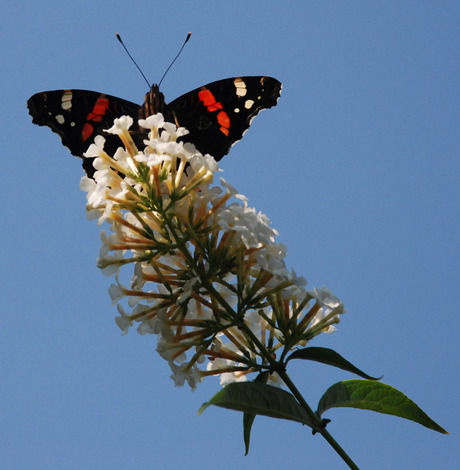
pixel 60 119
pixel 66 100
pixel 248 104
pixel 240 87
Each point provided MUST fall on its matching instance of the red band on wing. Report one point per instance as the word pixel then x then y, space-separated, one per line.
pixel 224 121
pixel 212 105
pixel 207 98
pixel 95 115
pixel 99 110
pixel 87 131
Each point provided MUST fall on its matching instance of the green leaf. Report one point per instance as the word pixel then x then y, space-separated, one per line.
pixel 330 357
pixel 248 418
pixel 375 396
pixel 259 399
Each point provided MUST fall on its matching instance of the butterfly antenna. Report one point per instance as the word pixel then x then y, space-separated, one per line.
pixel 134 62
pixel 175 58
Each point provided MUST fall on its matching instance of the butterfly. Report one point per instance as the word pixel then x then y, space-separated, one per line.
pixel 216 115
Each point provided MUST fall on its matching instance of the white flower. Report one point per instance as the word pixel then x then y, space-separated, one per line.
pixel 327 299
pixel 95 149
pixel 153 159
pixel 232 191
pixel 152 122
pixel 208 276
pixel 222 364
pixel 181 374
pixel 87 184
pixel 123 321
pixel 252 227
pixel 116 292
pixel 320 318
pixel 120 125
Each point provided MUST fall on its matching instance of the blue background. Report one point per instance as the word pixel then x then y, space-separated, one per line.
pixel 357 167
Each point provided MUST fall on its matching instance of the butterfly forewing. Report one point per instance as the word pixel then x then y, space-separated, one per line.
pixel 218 114
pixel 78 115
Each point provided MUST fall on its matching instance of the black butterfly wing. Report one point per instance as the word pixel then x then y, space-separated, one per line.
pixel 218 114
pixel 77 116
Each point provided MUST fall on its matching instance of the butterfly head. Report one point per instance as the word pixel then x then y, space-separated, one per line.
pixel 154 103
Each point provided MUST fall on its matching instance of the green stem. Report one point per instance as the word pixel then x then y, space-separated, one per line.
pixel 279 368
pixel 315 418
pixel 191 262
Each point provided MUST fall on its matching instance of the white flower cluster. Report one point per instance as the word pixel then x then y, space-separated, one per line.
pixel 208 278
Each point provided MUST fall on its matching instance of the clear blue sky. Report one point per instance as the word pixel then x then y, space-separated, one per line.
pixel 357 167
